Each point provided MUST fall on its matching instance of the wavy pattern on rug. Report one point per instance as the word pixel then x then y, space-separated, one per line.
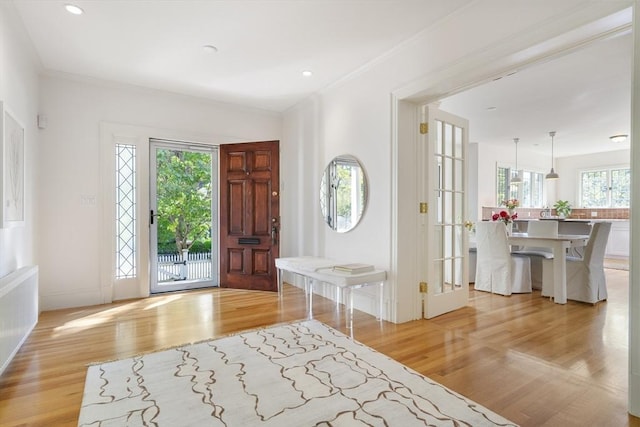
pixel 301 374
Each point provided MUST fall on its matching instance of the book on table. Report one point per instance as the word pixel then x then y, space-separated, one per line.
pixel 354 268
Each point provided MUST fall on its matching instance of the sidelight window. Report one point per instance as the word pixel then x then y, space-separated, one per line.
pixel 125 211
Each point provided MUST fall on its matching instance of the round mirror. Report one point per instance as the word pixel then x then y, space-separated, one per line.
pixel 343 193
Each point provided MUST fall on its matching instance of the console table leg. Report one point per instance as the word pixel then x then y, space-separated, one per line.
pixel 279 275
pixel 309 289
pixel 380 300
pixel 350 302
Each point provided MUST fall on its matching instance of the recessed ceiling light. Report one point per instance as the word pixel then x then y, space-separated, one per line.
pixel 492 108
pixel 307 73
pixel 618 138
pixel 73 9
pixel 209 48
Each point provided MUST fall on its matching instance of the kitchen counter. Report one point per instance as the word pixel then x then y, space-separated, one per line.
pixel 618 242
pixel 588 220
pixel 577 214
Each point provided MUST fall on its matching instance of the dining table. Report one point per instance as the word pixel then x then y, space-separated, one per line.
pixel 559 245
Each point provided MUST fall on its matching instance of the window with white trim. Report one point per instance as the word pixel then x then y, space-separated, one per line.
pixel 605 188
pixel 529 192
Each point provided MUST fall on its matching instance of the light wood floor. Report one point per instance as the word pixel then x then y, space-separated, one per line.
pixel 532 361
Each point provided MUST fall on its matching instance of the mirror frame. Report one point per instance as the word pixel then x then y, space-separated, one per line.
pixel 331 196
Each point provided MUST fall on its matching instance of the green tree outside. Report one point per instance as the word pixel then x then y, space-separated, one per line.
pixel 184 197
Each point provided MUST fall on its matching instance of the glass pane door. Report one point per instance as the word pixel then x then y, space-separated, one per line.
pixel 183 205
pixel 446 241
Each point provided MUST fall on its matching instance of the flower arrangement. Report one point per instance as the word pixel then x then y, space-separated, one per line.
pixel 505 217
pixel 511 203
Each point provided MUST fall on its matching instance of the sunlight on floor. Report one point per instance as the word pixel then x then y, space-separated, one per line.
pixel 94 319
pixel 162 301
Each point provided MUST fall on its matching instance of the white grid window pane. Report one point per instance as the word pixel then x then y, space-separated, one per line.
pixel 594 189
pixel 529 193
pixel 620 188
pixel 125 211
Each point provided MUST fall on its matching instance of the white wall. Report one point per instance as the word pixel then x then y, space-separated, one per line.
pixel 569 167
pixel 300 173
pixel 69 237
pixel 474 210
pixel 19 93
pixel 347 128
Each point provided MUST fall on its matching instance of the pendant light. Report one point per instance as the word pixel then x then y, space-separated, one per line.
pixel 516 179
pixel 552 174
pixel 618 138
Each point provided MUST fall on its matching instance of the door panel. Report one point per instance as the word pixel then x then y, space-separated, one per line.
pixel 261 203
pixel 250 215
pixel 236 199
pixel 444 235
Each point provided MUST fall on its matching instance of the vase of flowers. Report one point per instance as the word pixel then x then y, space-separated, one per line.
pixel 511 205
pixel 507 218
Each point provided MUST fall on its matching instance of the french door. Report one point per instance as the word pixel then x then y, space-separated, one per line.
pixel 444 257
pixel 183 216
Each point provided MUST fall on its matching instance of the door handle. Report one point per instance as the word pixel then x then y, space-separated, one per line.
pixel 274 235
pixel 151 216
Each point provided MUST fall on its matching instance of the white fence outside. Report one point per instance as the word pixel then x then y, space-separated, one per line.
pixel 172 267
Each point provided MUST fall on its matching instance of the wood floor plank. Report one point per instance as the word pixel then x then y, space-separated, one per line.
pixel 524 357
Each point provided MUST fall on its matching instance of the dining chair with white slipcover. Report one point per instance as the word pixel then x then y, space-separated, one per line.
pixel 586 280
pixel 538 228
pixel 498 270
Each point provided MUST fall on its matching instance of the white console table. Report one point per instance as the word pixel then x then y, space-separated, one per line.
pixel 321 270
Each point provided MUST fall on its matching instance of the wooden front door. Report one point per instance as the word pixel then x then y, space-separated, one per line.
pixel 249 215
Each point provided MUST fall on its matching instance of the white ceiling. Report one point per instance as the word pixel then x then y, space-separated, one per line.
pixel 264 45
pixel 584 96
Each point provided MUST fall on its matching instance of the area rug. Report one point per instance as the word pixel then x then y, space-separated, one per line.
pixel 300 374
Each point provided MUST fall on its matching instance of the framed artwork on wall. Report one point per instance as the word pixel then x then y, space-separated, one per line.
pixel 13 170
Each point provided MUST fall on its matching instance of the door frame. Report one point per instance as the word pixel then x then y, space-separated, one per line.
pixel 112 289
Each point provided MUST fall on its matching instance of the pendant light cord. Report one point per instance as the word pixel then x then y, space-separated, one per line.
pixel 516 179
pixel 552 134
pixel 552 174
